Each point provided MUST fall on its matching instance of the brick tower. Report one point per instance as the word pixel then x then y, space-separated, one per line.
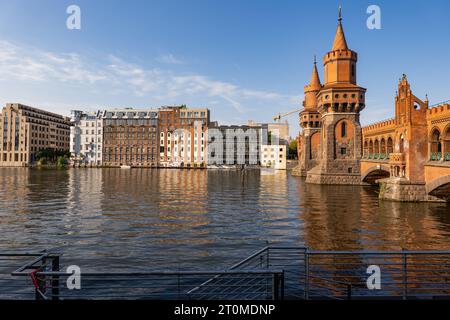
pixel 310 121
pixel 339 101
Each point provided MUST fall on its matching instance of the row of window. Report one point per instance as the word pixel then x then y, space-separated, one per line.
pixel 22 157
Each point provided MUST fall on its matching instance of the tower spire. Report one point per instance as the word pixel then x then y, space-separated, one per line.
pixel 339 40
pixel 314 83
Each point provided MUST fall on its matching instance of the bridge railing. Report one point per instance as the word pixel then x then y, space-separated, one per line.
pixel 376 156
pixel 345 274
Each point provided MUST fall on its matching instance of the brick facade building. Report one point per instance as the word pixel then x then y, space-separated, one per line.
pixel 130 137
pixel 183 136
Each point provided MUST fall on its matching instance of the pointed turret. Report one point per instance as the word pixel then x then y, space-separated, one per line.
pixel 339 39
pixel 340 62
pixel 312 89
pixel 315 84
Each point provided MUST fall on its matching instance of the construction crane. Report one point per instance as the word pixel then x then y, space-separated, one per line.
pixel 279 116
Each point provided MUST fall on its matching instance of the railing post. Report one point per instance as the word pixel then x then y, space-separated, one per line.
pixel 40 287
pixel 40 290
pixel 405 275
pixel 178 286
pixel 55 278
pixel 306 274
pixel 276 286
pixel 349 292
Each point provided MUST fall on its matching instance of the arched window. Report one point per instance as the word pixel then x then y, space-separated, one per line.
pixel 383 148
pixel 436 141
pixel 446 146
pixel 402 144
pixel 344 129
pixel 436 146
pixel 377 148
pixel 390 146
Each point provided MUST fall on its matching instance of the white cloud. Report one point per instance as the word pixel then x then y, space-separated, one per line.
pixel 169 59
pixel 21 63
pixel 120 80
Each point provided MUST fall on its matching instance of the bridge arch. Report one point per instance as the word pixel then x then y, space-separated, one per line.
pixel 439 187
pixel 375 173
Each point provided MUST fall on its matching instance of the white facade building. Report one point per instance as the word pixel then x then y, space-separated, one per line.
pixel 274 156
pixel 190 146
pixel 86 137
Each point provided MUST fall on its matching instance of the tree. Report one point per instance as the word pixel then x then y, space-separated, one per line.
pixel 61 162
pixel 293 149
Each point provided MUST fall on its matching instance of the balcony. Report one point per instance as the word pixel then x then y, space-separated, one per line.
pixel 436 156
pixel 376 156
pixel 397 163
pixel 447 156
pixel 439 156
pixel 397 158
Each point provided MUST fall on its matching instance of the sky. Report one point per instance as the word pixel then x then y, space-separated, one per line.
pixel 243 59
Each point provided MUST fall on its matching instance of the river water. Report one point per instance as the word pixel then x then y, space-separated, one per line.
pixel 141 219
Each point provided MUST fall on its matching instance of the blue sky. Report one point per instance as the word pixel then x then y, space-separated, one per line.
pixel 246 59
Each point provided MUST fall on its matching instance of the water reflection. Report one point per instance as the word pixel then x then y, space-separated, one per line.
pixel 115 219
pixel 352 218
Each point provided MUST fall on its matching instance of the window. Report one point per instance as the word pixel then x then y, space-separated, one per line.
pixel 343 129
pixel 343 151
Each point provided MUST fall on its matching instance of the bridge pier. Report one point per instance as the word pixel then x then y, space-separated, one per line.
pixel 401 189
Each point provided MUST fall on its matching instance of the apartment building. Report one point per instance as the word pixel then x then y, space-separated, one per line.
pixel 236 145
pixel 183 136
pixel 278 131
pixel 274 156
pixel 24 131
pixel 86 137
pixel 130 137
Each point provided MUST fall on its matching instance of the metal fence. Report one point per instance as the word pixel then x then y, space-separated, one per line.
pixel 43 276
pixel 313 274
pixel 10 286
pixel 273 272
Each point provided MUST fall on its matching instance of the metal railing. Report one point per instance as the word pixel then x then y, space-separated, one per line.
pixel 446 156
pixel 313 274
pixel 11 287
pixel 376 156
pixel 436 156
pixel 274 272
pixel 43 273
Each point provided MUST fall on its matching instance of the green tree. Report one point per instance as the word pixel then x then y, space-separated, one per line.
pixel 293 149
pixel 61 162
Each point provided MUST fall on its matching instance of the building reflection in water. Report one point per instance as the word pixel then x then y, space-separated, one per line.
pixel 156 217
pixel 168 219
pixel 29 199
pixel 353 218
